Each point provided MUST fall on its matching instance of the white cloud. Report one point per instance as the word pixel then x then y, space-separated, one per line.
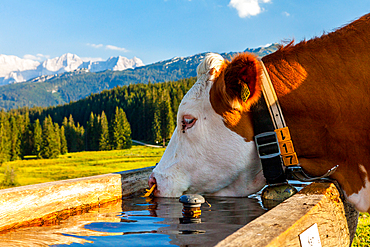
pixel 247 8
pixel 112 47
pixel 109 47
pixel 95 46
pixel 38 57
pixel 286 14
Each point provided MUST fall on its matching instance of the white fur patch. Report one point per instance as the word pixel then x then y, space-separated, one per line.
pixel 361 200
pixel 208 158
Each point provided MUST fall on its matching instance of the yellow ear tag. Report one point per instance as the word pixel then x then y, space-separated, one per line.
pixel 245 93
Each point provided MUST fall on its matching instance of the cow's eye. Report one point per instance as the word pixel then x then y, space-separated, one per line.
pixel 187 122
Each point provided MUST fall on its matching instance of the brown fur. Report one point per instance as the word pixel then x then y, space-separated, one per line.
pixel 225 95
pixel 323 87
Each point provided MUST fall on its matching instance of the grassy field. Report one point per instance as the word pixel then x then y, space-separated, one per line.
pixel 362 237
pixel 76 165
pixel 84 164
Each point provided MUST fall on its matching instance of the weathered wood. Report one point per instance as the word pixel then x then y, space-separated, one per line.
pixel 317 203
pixel 48 202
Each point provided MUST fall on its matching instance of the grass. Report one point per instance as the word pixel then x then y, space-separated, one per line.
pixel 76 165
pixel 84 164
pixel 362 237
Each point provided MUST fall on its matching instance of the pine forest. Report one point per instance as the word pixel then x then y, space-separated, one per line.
pixel 105 121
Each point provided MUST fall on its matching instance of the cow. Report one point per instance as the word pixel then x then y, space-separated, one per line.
pixel 323 86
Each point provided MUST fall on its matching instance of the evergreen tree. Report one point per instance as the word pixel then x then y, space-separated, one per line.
pixel 37 139
pixel 80 137
pixel 70 134
pixel 121 131
pixel 57 139
pixel 26 140
pixel 63 141
pixel 156 125
pixel 167 124
pixel 92 133
pixel 49 148
pixel 104 133
pixel 4 138
pixel 126 131
pixel 89 133
pixel 15 137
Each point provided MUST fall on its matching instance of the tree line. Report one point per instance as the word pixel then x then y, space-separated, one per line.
pixel 20 137
pixel 104 121
pixel 150 108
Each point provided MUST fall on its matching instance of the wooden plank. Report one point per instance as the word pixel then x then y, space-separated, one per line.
pixel 45 203
pixel 318 203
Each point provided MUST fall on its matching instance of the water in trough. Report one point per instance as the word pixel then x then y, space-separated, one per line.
pixel 141 221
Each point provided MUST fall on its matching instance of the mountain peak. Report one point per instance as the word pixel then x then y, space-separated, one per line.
pixel 10 63
pixel 14 69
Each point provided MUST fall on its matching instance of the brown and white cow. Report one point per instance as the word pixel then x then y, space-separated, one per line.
pixel 323 86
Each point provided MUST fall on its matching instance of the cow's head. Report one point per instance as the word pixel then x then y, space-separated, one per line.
pixel 212 150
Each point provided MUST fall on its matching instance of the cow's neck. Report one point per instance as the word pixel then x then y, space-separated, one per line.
pixel 322 92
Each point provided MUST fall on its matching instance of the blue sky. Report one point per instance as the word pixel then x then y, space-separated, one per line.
pixel 155 30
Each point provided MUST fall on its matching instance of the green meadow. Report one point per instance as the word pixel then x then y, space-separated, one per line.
pixel 84 164
pixel 362 237
pixel 76 165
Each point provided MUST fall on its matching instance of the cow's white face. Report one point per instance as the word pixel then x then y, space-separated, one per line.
pixel 204 155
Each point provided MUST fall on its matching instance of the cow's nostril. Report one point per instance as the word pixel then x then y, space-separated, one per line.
pixel 152 180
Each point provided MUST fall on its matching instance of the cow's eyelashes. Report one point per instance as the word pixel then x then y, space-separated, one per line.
pixel 188 121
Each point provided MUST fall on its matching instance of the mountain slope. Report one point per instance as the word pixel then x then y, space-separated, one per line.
pixel 71 86
pixel 14 69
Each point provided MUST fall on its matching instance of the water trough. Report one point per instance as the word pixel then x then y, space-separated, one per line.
pixel 319 204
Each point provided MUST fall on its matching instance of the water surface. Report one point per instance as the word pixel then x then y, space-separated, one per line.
pixel 156 222
pixel 141 221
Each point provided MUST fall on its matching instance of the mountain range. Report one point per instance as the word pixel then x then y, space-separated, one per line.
pixel 14 69
pixel 68 78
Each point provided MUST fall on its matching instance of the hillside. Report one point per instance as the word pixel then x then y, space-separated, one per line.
pixel 78 84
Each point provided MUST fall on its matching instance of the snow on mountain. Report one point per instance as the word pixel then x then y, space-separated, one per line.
pixel 14 69
pixel 113 63
pixel 65 63
pixel 12 63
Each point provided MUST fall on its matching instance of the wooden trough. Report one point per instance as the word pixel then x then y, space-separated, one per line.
pixel 319 204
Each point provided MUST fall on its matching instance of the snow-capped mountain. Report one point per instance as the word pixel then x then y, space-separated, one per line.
pixel 113 63
pixel 14 69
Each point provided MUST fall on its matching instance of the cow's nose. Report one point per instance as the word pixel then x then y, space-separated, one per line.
pixel 152 180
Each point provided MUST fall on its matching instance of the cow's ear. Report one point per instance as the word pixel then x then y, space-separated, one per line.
pixel 242 81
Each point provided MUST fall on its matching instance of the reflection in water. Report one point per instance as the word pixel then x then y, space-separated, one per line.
pixel 143 222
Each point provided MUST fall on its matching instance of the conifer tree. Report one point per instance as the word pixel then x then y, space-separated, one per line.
pixel 80 137
pixel 104 133
pixel 26 139
pixel 121 131
pixel 92 134
pixel 126 131
pixel 89 135
pixel 57 139
pixel 4 138
pixel 167 124
pixel 156 125
pixel 37 139
pixel 15 137
pixel 70 134
pixel 63 141
pixel 49 148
